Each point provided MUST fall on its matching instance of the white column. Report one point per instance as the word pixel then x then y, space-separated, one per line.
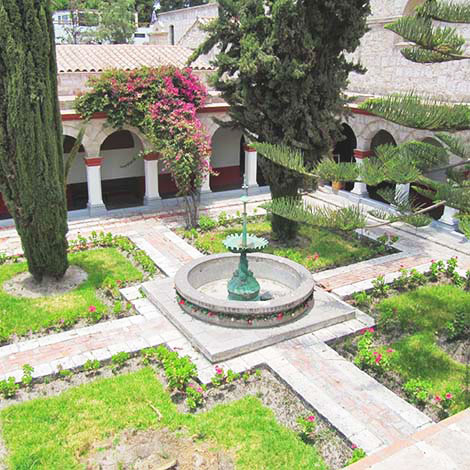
pixel 206 187
pixel 152 196
pixel 402 192
pixel 360 188
pixel 448 217
pixel 93 175
pixel 251 166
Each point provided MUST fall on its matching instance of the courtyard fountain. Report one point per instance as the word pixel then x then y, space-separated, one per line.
pixel 221 289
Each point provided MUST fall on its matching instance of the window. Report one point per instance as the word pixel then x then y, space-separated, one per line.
pixel 172 35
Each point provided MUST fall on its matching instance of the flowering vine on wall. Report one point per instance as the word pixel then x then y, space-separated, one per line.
pixel 162 103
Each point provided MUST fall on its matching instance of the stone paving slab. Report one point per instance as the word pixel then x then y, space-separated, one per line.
pixel 441 446
pixel 220 343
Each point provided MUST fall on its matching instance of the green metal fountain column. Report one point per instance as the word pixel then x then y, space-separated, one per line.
pixel 243 285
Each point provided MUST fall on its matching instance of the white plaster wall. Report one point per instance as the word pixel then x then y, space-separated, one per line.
pixel 389 71
pixel 183 19
pixel 114 161
pixel 226 148
pixel 77 172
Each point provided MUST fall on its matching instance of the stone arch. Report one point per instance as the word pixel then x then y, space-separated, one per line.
pixel 106 131
pixel 227 158
pixel 77 191
pixel 382 137
pixel 411 6
pixel 122 170
pixel 343 151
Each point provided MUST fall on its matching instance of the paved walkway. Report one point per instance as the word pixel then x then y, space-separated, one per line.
pixel 363 410
pixel 442 446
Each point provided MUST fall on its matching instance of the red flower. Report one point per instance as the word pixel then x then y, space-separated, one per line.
pixel 181 302
pixel 311 418
pixel 438 399
pixel 389 350
pixel 92 308
pixel 280 316
pixel 353 446
pixel 448 396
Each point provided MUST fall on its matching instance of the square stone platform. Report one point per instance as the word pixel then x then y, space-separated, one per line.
pixel 219 343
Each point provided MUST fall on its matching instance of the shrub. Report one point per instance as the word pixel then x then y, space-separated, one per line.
pixel 368 358
pixel 194 396
pixel 27 375
pixel 380 287
pixel 459 327
pixel 178 370
pixel 8 387
pixel 119 359
pixel 362 299
pixel 223 219
pixel 357 455
pixel 307 426
pixel 417 391
pixel 91 366
pixel 207 223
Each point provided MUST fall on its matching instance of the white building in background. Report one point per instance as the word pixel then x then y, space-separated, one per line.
pixel 99 181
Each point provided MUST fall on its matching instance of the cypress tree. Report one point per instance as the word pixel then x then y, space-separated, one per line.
pixel 282 68
pixel 31 154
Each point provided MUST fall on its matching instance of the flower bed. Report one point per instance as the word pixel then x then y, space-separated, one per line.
pixel 421 346
pixel 250 417
pixel 315 248
pixel 111 262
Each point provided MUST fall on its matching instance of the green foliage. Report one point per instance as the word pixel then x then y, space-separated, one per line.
pixel 194 396
pixel 315 248
pixel 329 170
pixel 414 111
pixel 119 359
pixel 286 157
pixel 206 223
pixel 170 5
pixel 91 366
pixel 27 378
pixel 90 413
pixel 284 78
pixel 8 387
pixel 162 103
pixel 459 326
pixel 358 454
pixel 345 218
pixel 19 316
pixel 417 391
pixel 31 135
pixel 369 358
pixel 178 370
pixel 451 12
pixel 117 24
pixel 307 426
pixel 433 43
pixel 380 286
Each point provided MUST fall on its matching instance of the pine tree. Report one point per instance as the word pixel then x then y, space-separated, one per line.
pixel 31 155
pixel 406 163
pixel 282 69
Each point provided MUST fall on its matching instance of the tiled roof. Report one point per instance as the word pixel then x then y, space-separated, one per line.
pixel 96 58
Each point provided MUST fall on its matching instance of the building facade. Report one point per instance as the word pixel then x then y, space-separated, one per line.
pixel 101 178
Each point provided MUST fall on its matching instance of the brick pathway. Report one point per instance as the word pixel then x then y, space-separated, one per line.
pixel 362 409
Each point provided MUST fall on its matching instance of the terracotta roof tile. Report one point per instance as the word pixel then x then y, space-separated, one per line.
pixel 96 58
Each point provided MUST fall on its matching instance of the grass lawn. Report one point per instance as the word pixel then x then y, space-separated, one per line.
pixel 92 412
pixel 315 248
pixel 19 316
pixel 424 312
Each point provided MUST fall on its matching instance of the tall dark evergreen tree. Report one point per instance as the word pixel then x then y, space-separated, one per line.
pixel 31 155
pixel 282 68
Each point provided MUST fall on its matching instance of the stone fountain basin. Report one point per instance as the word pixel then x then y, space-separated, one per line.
pixel 296 299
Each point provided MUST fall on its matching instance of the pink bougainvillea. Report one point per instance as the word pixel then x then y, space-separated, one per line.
pixel 162 103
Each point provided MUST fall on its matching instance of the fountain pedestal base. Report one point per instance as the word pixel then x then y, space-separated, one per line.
pixel 243 285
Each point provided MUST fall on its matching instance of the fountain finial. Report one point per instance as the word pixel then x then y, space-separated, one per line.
pixel 243 285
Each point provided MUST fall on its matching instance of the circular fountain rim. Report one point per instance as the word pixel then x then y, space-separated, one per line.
pixel 234 307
